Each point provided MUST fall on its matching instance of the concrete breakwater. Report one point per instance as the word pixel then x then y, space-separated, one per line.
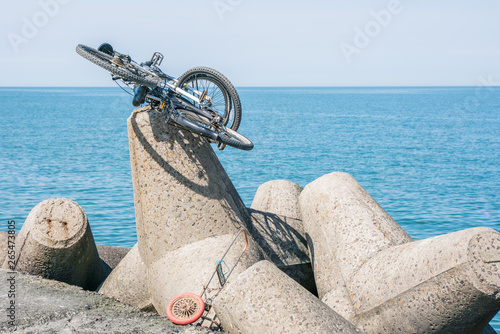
pixel 323 259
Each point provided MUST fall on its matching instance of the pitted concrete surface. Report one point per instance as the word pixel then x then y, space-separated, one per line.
pixel 280 197
pixel 46 306
pixel 181 192
pixel 186 210
pixel 344 227
pixel 403 267
pixel 56 242
pixel 3 245
pixel 189 268
pixel 441 283
pixel 281 238
pixel 337 205
pixel 128 282
pixel 112 255
pixel 371 272
pixel 265 300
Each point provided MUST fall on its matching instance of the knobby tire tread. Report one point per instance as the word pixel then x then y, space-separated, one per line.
pixel 227 85
pixel 121 72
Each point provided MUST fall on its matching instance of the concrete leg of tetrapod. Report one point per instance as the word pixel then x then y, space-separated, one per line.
pixel 185 205
pixel 344 226
pixel 263 299
pixel 128 281
pixel 447 284
pixel 56 242
pixel 280 197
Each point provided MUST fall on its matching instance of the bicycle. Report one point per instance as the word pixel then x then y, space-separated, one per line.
pixel 201 100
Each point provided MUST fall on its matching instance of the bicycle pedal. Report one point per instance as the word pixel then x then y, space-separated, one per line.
pixel 221 146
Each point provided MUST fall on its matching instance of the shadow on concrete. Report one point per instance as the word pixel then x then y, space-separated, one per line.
pixel 277 237
pixel 190 146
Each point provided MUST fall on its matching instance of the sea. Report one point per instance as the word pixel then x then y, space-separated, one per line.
pixel 428 155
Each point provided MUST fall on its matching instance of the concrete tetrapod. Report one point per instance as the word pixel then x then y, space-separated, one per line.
pixel 263 299
pixel 4 245
pixel 186 206
pixel 344 226
pixel 381 280
pixel 277 228
pixel 110 255
pixel 446 284
pixel 189 268
pixel 56 242
pixel 280 197
pixel 127 282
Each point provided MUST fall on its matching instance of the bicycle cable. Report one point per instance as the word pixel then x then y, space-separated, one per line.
pixel 126 91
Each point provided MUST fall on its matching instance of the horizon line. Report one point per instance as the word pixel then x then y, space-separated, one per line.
pixel 402 86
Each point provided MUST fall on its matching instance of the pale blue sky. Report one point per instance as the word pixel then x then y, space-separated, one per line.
pixel 258 42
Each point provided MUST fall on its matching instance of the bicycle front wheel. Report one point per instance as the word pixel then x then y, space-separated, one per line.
pixel 221 94
pixel 127 72
pixel 224 134
pixel 232 138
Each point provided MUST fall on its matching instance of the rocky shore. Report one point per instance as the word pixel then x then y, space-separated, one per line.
pixel 48 306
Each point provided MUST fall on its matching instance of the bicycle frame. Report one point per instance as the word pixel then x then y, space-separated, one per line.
pixel 202 100
pixel 168 81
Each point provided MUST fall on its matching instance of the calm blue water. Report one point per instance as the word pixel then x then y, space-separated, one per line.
pixel 429 156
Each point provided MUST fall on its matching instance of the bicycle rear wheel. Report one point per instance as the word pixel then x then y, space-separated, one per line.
pixel 126 72
pixel 223 98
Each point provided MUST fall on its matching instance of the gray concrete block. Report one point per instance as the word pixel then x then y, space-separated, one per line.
pixel 56 242
pixel 128 281
pixel 343 223
pixel 337 205
pixel 344 227
pixel 280 197
pixel 181 192
pixel 284 243
pixel 371 272
pixel 265 300
pixel 186 206
pixel 111 255
pixel 3 245
pixel 448 284
pixel 189 268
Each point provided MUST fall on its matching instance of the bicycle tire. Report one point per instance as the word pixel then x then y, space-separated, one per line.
pixel 207 73
pixel 225 135
pixel 235 139
pixel 104 60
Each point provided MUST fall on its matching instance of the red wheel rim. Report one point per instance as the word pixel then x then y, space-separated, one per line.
pixel 185 308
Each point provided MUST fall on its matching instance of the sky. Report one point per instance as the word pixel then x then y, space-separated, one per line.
pixel 258 42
